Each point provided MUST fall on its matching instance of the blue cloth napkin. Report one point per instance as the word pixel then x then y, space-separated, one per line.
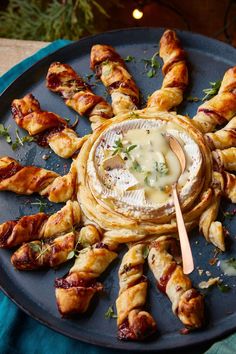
pixel 19 333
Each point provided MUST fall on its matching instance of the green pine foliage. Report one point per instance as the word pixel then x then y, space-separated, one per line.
pixel 47 20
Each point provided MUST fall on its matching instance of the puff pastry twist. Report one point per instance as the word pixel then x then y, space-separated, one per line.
pixel 175 73
pixel 213 230
pixel 75 291
pixel 133 322
pixel 223 138
pixel 111 69
pixel 40 226
pixel 187 302
pixel 30 179
pixel 221 108
pixel 49 128
pixel 225 159
pixel 62 79
pixel 52 252
pixel 44 254
pixel 227 183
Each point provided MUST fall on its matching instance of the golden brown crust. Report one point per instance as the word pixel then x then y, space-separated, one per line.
pixel 111 69
pixel 187 303
pixel 23 179
pixel 29 179
pixel 226 182
pixel 133 323
pixel 229 81
pixel 13 233
pixel 49 128
pixel 75 291
pixel 223 138
pixel 40 254
pixel 225 159
pixel 63 188
pixel 62 79
pixel 213 230
pixel 39 226
pixel 74 295
pixel 175 74
pixel 219 109
pixel 29 116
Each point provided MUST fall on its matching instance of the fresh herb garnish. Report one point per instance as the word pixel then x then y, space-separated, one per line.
pixel 43 251
pixel 136 166
pixel 212 91
pixel 77 250
pixel 42 205
pixel 39 248
pixel 5 133
pixel 35 247
pixel 129 148
pixel 119 148
pixel 192 99
pixel 21 140
pixel 152 65
pixel 161 168
pixel 129 58
pixel 224 288
pixel 110 313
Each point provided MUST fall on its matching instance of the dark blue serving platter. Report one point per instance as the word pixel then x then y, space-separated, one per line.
pixel 34 291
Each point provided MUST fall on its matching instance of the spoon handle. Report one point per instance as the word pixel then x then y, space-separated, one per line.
pixel 187 257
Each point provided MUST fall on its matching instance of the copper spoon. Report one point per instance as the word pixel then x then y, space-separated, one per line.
pixel 187 257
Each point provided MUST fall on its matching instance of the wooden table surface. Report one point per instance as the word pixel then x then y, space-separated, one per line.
pixel 12 51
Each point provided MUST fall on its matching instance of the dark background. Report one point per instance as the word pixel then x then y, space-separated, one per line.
pixel 213 18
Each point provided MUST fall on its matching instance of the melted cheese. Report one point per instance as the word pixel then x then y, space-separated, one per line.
pixel 152 162
pixel 143 184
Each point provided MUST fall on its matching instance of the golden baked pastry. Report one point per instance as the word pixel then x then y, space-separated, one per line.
pixel 133 322
pixel 75 291
pixel 187 302
pixel 62 79
pixel 40 226
pixel 175 71
pixel 23 179
pixel 111 69
pixel 221 108
pixel 49 128
pixel 30 179
pixel 43 254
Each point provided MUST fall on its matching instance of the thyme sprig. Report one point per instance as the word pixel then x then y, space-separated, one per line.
pixel 212 91
pixel 110 313
pixel 129 58
pixel 5 133
pixel 41 204
pixel 119 148
pixel 21 140
pixel 152 65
